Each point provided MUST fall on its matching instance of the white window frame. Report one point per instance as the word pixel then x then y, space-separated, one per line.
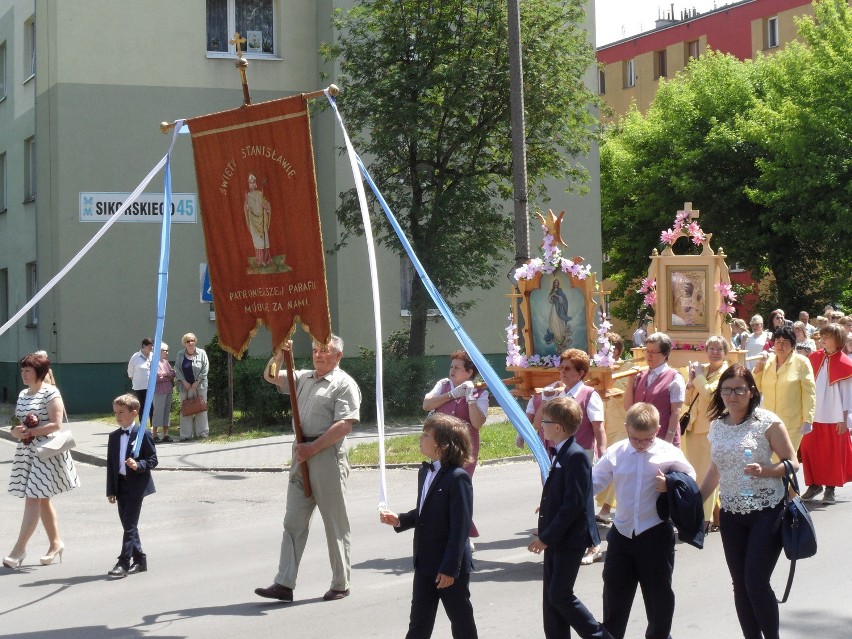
pixel 2 182
pixel 630 73
pixel 773 39
pixel 232 27
pixel 3 76
pixel 29 50
pixel 32 289
pixel 30 169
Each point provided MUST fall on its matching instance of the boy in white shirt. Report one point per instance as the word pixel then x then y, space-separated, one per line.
pixel 640 545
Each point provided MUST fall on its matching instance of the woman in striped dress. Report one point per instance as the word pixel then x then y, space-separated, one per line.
pixel 34 479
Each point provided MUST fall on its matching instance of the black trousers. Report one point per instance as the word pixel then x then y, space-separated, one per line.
pixel 562 609
pixel 752 546
pixel 141 395
pixel 456 600
pixel 129 509
pixel 646 560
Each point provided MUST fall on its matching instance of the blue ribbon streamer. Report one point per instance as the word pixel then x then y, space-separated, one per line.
pixel 504 398
pixel 162 292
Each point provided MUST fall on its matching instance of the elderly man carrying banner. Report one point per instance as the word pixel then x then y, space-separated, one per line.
pixel 328 401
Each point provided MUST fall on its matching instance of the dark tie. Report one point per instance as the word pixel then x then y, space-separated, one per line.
pixel 552 450
pixel 429 466
pixel 125 432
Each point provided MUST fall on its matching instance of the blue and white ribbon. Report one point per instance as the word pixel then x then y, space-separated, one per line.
pixel 162 288
pixel 504 398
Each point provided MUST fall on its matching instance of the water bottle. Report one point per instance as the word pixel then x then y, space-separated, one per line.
pixel 745 482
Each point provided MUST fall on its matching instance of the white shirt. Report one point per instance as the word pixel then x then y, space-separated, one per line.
pixel 123 442
pixel 632 473
pixel 677 390
pixel 139 369
pixel 754 346
pixel 594 409
pixel 639 336
pixel 430 475
pixel 832 400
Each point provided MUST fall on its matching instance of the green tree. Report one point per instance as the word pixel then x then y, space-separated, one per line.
pixel 763 148
pixel 426 94
pixel 687 148
pixel 804 124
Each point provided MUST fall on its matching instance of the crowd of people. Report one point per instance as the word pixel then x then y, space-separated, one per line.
pixel 719 431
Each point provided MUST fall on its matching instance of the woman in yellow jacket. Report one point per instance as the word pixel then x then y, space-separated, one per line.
pixel 703 380
pixel 786 381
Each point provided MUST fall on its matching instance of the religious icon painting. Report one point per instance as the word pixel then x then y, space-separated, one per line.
pixel 558 315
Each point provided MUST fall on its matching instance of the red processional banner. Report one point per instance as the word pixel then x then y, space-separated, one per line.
pixel 257 189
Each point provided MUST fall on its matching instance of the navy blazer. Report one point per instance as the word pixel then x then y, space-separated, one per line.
pixel 442 526
pixel 566 517
pixel 682 502
pixel 139 482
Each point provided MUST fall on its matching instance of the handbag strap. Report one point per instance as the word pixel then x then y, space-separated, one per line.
pixel 788 479
pixel 692 403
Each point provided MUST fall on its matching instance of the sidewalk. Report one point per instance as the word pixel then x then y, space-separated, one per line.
pixel 267 454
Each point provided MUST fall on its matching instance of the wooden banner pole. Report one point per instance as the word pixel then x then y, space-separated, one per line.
pixel 297 422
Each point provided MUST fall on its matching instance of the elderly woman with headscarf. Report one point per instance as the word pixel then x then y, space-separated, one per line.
pixel 786 381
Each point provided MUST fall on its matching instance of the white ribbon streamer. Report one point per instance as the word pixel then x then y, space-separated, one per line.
pixel 97 236
pixel 374 277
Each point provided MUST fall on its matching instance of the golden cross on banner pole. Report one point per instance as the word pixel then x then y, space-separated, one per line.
pixel 242 65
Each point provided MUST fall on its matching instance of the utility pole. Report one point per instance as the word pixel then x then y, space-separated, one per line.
pixel 519 150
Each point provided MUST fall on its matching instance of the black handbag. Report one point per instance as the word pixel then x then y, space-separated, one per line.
pixel 684 419
pixel 798 535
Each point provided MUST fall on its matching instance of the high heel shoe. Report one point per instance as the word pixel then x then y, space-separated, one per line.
pixel 50 558
pixel 14 562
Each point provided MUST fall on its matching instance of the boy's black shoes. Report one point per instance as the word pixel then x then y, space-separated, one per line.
pixel 137 568
pixel 118 572
pixel 276 591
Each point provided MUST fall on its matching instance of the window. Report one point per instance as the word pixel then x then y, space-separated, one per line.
pixel 29 49
pixel 2 182
pixel 692 50
pixel 29 169
pixel 32 289
pixel 630 73
pixel 4 295
pixel 772 32
pixel 254 20
pixel 660 65
pixel 2 70
pixel 601 82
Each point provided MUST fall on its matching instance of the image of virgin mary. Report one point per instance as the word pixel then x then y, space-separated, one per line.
pixel 559 331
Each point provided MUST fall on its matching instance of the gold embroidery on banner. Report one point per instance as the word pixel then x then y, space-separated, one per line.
pixel 247 125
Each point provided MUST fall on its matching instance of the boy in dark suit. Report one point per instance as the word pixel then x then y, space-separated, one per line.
pixel 129 481
pixel 566 524
pixel 441 523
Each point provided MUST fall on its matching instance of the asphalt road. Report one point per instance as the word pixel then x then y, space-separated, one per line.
pixel 211 538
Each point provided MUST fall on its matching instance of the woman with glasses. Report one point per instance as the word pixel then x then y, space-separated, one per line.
pixel 703 380
pixel 751 494
pixel 191 367
pixel 787 382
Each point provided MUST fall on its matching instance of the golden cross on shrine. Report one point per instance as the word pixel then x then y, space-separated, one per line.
pixel 692 214
pixel 242 65
pixel 238 41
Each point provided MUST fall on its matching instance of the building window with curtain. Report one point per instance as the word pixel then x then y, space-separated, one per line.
pixel 254 20
pixel 2 71
pixel 32 289
pixel 692 50
pixel 630 73
pixel 660 65
pixel 29 50
pixel 772 39
pixel 2 182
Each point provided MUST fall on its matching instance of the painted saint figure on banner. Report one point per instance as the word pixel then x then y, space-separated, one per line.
pixel 258 214
pixel 559 331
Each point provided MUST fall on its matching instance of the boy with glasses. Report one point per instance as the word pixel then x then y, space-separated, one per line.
pixel 640 545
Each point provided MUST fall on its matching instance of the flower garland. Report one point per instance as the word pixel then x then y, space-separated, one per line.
pixel 604 355
pixel 682 229
pixel 552 262
pixel 728 298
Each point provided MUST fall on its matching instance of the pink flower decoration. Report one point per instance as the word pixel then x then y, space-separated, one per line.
pixel 668 237
pixel 651 298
